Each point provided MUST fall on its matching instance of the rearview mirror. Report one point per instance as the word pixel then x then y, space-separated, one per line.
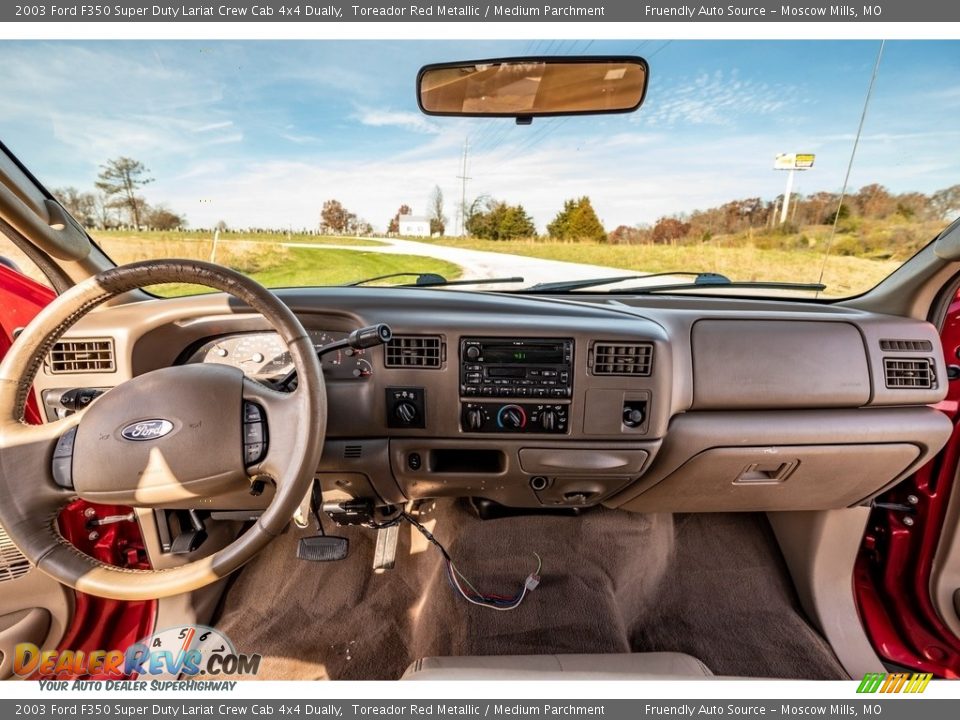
pixel 525 88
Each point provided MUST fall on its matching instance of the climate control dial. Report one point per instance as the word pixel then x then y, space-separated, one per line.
pixel 512 417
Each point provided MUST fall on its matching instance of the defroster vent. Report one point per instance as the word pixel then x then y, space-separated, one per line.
pixel 906 345
pixel 414 351
pixel 82 356
pixel 622 359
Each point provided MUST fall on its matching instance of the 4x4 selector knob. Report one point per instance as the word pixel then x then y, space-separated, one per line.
pixel 406 412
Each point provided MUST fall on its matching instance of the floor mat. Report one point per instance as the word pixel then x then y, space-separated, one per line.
pixel 711 585
pixel 728 600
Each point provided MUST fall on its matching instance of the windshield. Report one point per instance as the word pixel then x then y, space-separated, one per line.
pixel 824 165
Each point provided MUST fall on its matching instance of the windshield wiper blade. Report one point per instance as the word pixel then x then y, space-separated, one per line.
pixel 433 280
pixel 701 278
pixel 732 285
pixel 469 281
pixel 422 278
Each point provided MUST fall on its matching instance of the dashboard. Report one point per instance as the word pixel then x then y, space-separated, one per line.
pixel 660 404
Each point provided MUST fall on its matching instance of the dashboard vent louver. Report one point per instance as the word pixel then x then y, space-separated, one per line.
pixel 414 351
pixel 12 562
pixel 81 356
pixel 623 359
pixel 906 345
pixel 353 451
pixel 909 373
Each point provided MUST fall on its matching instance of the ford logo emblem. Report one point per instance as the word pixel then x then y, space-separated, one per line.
pixel 147 429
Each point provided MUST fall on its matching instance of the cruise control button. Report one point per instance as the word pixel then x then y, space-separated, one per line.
pixel 252 433
pixel 251 413
pixel 65 443
pixel 252 453
pixel 62 469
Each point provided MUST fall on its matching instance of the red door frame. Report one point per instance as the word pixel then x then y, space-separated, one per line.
pixel 21 298
pixel 893 570
pixel 97 623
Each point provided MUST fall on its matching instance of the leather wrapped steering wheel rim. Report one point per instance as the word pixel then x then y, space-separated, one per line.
pixel 30 500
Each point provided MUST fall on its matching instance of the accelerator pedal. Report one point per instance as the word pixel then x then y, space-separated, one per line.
pixel 385 554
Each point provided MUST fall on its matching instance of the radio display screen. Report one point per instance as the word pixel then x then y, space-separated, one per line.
pixel 524 354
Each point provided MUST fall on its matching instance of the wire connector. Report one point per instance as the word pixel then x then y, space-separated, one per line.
pixel 532 582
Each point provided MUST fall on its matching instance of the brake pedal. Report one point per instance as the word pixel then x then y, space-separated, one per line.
pixel 385 553
pixel 323 548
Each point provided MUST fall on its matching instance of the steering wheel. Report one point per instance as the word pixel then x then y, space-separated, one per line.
pixel 165 436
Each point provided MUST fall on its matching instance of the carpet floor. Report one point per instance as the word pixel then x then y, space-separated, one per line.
pixel 711 585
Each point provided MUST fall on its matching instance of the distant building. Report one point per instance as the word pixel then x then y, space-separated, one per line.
pixel 414 226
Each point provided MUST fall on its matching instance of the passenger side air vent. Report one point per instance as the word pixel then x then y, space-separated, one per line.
pixel 909 373
pixel 906 345
pixel 414 351
pixel 12 562
pixel 622 359
pixel 81 356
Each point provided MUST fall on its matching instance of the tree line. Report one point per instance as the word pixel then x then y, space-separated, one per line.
pixel 117 200
pixel 871 202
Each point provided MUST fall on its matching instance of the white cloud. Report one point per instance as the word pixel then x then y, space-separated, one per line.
pixel 717 98
pixel 397 118
pixel 213 126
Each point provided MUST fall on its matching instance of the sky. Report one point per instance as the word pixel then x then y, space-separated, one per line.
pixel 260 133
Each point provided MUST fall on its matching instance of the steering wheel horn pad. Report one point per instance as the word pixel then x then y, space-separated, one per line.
pixel 163 438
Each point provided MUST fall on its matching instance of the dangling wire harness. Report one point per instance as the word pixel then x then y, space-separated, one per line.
pixel 460 583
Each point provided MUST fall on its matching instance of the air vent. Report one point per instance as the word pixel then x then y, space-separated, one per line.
pixel 81 356
pixel 12 562
pixel 906 345
pixel 352 451
pixel 623 359
pixel 414 351
pixel 909 373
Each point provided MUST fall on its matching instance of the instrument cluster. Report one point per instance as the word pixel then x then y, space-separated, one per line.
pixel 264 356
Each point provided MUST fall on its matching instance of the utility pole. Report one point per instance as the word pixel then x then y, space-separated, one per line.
pixel 791 162
pixel 786 197
pixel 463 189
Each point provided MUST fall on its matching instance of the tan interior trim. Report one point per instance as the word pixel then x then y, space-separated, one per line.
pixel 945 576
pixel 820 549
pixel 37 217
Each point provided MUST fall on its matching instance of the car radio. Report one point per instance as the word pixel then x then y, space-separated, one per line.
pixel 516 368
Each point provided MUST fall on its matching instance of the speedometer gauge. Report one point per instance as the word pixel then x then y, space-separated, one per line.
pixel 264 356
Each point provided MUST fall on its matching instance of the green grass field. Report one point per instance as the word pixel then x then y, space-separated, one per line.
pixel 860 255
pixel 843 274
pixel 268 261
